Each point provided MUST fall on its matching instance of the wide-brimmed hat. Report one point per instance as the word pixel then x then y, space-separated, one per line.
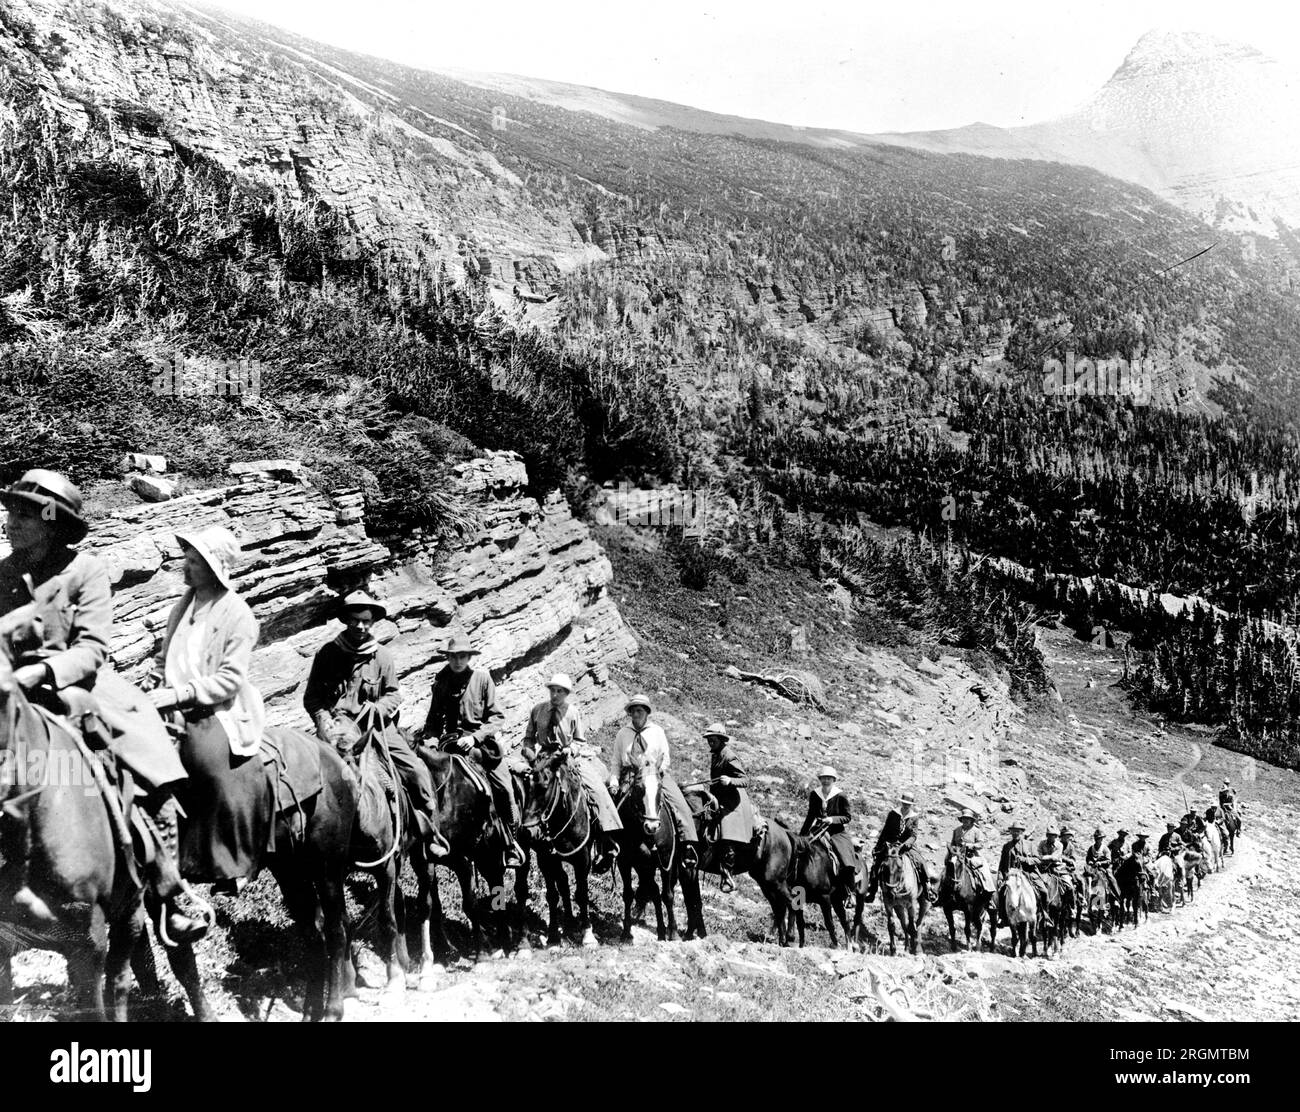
pixel 459 643
pixel 1099 833
pixel 1017 825
pixel 1121 831
pixel 966 813
pixel 1226 784
pixel 906 797
pixel 1170 824
pixel 362 600
pixel 55 496
pixel 716 729
pixel 1052 830
pixel 219 549
pixel 1066 832
pixel 825 771
pixel 638 701
pixel 561 679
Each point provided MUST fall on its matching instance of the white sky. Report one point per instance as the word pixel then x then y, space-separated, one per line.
pixel 857 64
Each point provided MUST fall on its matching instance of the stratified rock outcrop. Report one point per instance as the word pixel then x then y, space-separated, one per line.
pixel 528 585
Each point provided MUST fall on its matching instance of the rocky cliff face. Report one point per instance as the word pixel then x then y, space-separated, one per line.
pixel 176 80
pixel 528 585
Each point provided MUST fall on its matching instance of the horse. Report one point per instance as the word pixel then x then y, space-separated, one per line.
pixel 384 835
pixel 1132 882
pixel 816 879
pixel 1057 908
pixel 650 847
pixel 1163 877
pixel 1212 847
pixel 1229 823
pixel 773 870
pixel 1194 871
pixel 77 863
pixel 904 898
pixel 963 890
pixel 1018 905
pixel 557 822
pixel 1103 904
pixel 465 820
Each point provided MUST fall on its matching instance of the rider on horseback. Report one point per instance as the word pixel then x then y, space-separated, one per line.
pixel 644 741
pixel 901 829
pixel 966 841
pixel 829 815
pixel 736 823
pixel 1097 862
pixel 555 725
pixel 463 718
pixel 1069 858
pixel 1171 845
pixel 1015 854
pixel 73 601
pixel 1118 846
pixel 354 679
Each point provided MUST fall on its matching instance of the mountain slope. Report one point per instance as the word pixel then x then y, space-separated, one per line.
pixel 1210 125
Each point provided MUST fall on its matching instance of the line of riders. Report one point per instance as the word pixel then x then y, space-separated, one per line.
pixel 200 685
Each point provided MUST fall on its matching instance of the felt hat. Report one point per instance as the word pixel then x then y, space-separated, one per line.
pixel 363 600
pixel 825 771
pixel 57 498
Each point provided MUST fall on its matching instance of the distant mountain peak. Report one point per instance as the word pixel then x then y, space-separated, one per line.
pixel 1163 51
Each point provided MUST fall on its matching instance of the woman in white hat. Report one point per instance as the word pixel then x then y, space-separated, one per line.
pixel 202 669
pixel 902 828
pixel 829 807
pixel 73 599
pixel 554 724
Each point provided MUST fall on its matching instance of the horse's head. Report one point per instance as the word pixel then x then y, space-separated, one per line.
pixel 893 867
pixel 543 788
pixel 647 788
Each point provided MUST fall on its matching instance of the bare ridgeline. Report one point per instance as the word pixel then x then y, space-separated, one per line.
pixel 834 568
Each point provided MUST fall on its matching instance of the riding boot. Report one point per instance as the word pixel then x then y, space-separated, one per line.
pixel 164 876
pixel 726 866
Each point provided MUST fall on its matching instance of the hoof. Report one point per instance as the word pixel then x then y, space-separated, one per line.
pixel 589 938
pixel 626 936
pixel 524 952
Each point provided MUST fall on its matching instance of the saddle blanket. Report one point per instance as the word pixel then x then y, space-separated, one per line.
pixel 296 757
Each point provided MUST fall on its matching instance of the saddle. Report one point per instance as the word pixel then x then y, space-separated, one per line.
pixel 292 759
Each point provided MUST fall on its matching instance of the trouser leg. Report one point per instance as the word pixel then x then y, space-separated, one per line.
pixel 417 782
pixel 593 779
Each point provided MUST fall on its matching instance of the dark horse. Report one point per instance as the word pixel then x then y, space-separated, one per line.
pixel 963 890
pixel 310 863
pixel 385 835
pixel 557 823
pixel 817 880
pixel 649 845
pixel 465 820
pixel 1133 890
pixel 76 864
pixel 773 870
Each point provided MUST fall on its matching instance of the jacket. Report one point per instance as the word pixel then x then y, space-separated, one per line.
pixel 1015 855
pixel 74 601
pixel 345 684
pixel 737 823
pixel 897 829
pixel 540 733
pixel 466 704
pixel 836 805
pixel 224 687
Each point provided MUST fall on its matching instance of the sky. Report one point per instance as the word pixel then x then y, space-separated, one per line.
pixel 862 65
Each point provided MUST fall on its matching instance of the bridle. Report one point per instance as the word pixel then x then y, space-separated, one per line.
pixel 551 837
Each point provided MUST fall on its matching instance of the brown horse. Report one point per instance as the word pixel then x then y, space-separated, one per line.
pixel 310 864
pixel 1133 890
pixel 817 880
pixel 385 834
pixel 75 863
pixel 905 899
pixel 773 871
pixel 963 890
pixel 465 820
pixel 650 847
pixel 557 823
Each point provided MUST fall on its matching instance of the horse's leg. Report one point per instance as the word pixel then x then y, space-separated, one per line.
pixel 653 884
pixel 566 896
pixel 554 925
pixel 952 926
pixel 518 927
pixel 122 938
pixel 581 879
pixel 433 931
pixel 626 869
pixel 301 900
pixel 824 903
pixel 469 906
pixel 86 968
pixel 668 886
pixel 332 901
pixel 390 900
pixel 6 971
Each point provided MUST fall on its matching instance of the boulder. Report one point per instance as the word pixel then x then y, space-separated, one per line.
pixel 152 488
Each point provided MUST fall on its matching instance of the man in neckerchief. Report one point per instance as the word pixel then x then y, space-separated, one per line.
pixel 354 678
pixel 644 742
pixel 464 718
pixel 555 724
pixel 902 828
